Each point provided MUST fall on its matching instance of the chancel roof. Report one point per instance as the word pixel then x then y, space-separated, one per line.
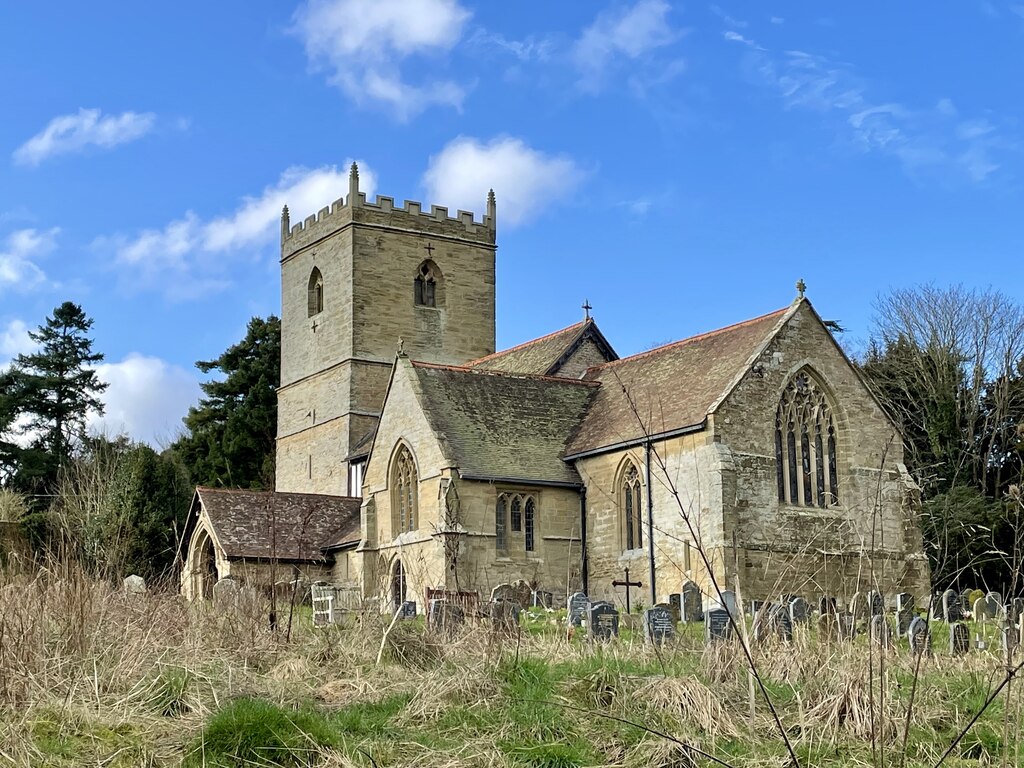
pixel 669 388
pixel 284 526
pixel 503 426
pixel 544 356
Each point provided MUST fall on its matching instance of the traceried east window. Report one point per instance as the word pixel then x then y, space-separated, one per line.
pixel 631 504
pixel 805 445
pixel 403 491
pixel 425 286
pixel 515 520
pixel 315 293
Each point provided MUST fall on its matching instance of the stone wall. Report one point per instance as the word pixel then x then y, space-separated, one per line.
pixel 588 355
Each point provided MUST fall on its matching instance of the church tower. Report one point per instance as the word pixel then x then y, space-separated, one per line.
pixel 357 280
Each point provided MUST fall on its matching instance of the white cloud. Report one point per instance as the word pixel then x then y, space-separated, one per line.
pixel 18 256
pixel 146 399
pixel 196 253
pixel 14 341
pixel 363 44
pixel 628 33
pixel 524 179
pixel 87 127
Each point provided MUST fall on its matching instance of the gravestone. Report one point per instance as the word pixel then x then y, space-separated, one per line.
pixel 965 601
pixel 675 603
pixel 858 606
pixel 543 599
pixel 579 604
pixel 827 605
pixel 881 631
pixel 980 611
pixel 917 634
pixel 904 602
pixel 951 606
pixel 659 624
pixel 225 593
pixel 522 593
pixel 444 617
pixel 994 603
pixel 717 627
pixel 773 621
pixel 134 585
pixel 603 621
pixel 504 616
pixel 502 592
pixel 756 606
pixel 693 609
pixel 959 639
pixel 904 612
pixel 876 604
pixel 935 607
pixel 798 610
pixel 408 610
pixel 729 603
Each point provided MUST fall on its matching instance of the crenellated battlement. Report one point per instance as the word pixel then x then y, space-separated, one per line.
pixel 355 208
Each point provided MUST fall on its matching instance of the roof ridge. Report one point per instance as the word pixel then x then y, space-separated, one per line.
pixel 524 344
pixel 273 492
pixel 507 374
pixel 690 339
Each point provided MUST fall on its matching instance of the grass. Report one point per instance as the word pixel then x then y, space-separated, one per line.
pixel 90 678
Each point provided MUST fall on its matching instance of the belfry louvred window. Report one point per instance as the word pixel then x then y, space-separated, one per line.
pixel 805 445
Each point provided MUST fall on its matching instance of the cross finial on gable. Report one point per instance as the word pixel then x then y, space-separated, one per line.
pixel 586 309
pixel 801 288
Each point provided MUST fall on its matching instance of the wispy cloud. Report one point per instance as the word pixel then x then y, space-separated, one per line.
pixel 628 33
pixel 525 180
pixel 363 45
pixel 86 128
pixel 191 257
pixel 19 254
pixel 924 139
pixel 14 341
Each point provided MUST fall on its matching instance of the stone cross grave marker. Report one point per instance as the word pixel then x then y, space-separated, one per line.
pixel 579 604
pixel 716 626
pixel 959 639
pixel 675 603
pixel 603 621
pixel 693 609
pixel 659 624
pixel 917 634
pixel 881 631
pixel 951 606
pixel 798 610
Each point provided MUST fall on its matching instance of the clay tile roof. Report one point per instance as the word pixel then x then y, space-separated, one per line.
pixel 671 387
pixel 305 522
pixel 537 356
pixel 500 426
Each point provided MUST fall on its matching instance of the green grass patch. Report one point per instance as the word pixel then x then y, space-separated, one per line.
pixel 371 719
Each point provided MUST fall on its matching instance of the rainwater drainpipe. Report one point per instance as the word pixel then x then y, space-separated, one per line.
pixel 584 562
pixel 650 521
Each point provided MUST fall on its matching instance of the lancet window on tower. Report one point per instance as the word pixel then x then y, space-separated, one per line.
pixel 805 445
pixel 315 293
pixel 425 286
pixel 631 504
pixel 404 483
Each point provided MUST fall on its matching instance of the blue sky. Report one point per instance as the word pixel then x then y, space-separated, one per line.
pixel 679 164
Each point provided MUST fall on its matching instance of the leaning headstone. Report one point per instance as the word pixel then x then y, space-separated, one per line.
pixel 408 610
pixel 693 609
pixel 659 624
pixel 881 631
pixel 717 627
pixel 502 592
pixel 603 621
pixel 959 639
pixel 504 616
pixel 920 641
pixel 675 603
pixel 134 585
pixel 798 610
pixel 579 604
pixel 951 606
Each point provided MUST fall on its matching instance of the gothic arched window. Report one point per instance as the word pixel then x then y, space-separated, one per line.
pixel 425 287
pixel 805 445
pixel 403 492
pixel 631 502
pixel 515 520
pixel 315 292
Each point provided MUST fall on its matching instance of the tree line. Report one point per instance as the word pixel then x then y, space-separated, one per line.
pixel 116 505
pixel 946 364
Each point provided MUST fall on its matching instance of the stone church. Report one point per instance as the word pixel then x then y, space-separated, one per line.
pixel 411 455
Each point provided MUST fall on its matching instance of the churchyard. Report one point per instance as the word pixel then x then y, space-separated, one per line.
pixel 96 675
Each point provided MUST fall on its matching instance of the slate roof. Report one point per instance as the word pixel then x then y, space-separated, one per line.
pixel 501 426
pixel 543 356
pixel 306 523
pixel 672 387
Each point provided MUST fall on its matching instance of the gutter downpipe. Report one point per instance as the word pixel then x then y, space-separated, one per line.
pixel 650 521
pixel 584 560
